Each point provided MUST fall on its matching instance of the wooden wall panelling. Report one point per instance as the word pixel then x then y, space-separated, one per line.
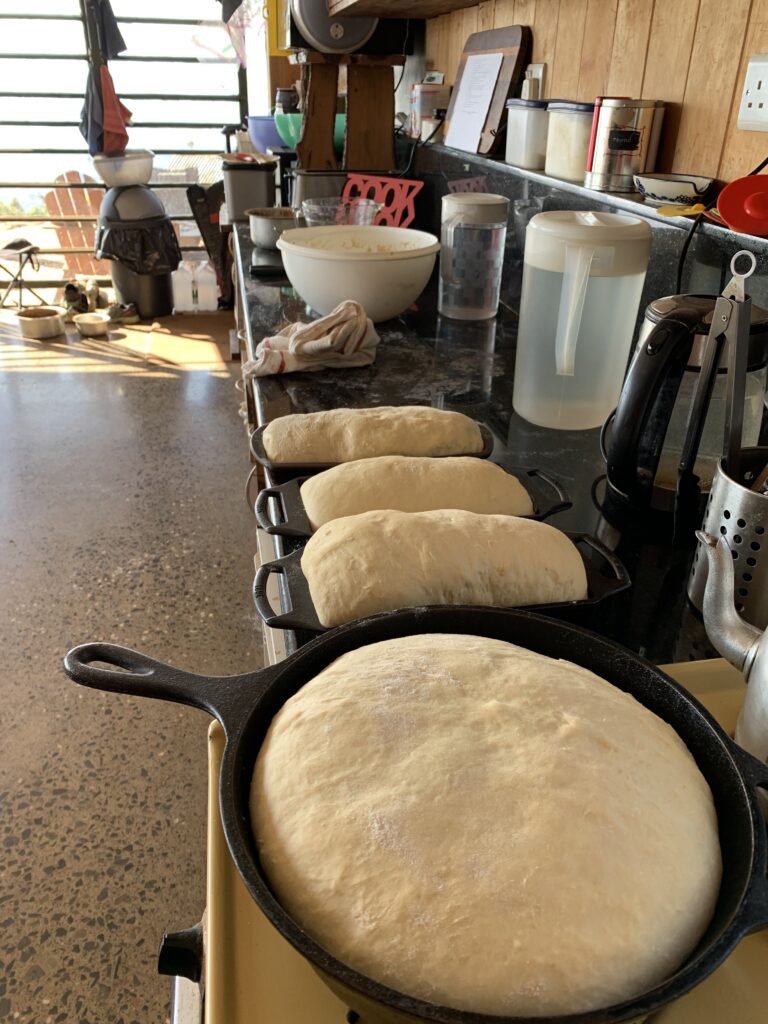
pixel 485 13
pixel 564 81
pixel 716 56
pixel 504 13
pixel 630 45
pixel 743 150
pixel 525 12
pixel 596 49
pixel 544 29
pixel 670 40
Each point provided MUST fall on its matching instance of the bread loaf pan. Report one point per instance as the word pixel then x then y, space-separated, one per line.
pixel 307 468
pixel 606 576
pixel 546 493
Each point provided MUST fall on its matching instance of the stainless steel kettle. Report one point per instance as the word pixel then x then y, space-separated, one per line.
pixel 745 646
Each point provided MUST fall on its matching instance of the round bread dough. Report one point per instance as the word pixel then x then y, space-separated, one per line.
pixel 412 484
pixel 486 828
pixel 384 559
pixel 342 435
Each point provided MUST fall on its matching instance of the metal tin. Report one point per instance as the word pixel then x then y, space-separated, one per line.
pixel 624 141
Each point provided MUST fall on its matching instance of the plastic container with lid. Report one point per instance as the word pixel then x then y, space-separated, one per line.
pixel 527 122
pixel 583 275
pixel 568 135
pixel 182 282
pixel 247 183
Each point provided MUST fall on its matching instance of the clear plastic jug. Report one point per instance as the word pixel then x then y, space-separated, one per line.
pixel 473 231
pixel 583 276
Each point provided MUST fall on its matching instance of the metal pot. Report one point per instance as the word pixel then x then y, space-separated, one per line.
pixel 268 223
pixel 245 705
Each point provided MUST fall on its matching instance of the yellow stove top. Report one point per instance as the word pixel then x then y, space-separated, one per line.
pixel 253 976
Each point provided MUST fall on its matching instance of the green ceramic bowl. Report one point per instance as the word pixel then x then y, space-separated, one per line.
pixel 289 129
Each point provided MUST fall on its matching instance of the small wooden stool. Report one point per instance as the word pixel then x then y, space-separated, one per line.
pixel 369 139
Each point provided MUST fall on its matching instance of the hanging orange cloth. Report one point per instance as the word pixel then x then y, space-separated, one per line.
pixel 115 117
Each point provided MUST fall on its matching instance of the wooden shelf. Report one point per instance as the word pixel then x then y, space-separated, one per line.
pixel 398 8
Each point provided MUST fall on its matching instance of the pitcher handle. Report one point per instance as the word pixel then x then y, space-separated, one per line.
pixel 578 262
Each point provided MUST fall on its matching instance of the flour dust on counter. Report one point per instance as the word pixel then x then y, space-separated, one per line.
pixel 120 520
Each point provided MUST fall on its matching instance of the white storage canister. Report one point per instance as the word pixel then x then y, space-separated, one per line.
pixel 527 122
pixel 247 185
pixel 568 135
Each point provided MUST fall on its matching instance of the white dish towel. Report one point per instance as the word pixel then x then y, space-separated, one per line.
pixel 345 337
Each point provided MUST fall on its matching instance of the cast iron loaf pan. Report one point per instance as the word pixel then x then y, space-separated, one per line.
pixel 245 705
pixel 307 468
pixel 546 493
pixel 606 576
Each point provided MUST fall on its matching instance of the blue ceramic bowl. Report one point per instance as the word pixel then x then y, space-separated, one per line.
pixel 262 132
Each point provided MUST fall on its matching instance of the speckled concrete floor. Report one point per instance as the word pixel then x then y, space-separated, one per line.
pixel 121 518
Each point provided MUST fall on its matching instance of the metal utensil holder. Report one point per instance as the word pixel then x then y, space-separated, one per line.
pixel 741 516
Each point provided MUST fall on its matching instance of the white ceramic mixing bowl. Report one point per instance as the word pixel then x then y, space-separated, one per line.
pixel 384 269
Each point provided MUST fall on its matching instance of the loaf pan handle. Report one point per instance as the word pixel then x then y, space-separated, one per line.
pixel 125 671
pixel 563 502
pixel 261 508
pixel 620 573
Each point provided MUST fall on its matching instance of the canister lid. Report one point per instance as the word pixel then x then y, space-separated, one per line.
pixel 621 242
pixel 534 104
pixel 567 105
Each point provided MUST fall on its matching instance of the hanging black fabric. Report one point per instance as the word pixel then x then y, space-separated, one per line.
pixel 144 246
pixel 110 38
pixel 228 8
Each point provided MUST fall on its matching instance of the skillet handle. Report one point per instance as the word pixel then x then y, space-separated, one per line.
pixel 261 508
pixel 248 486
pixel 127 671
pixel 619 570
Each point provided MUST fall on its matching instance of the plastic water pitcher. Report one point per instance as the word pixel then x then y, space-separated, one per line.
pixel 207 288
pixel 182 283
pixel 473 229
pixel 583 276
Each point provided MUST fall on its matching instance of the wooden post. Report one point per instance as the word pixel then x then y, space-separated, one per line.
pixel 369 144
pixel 315 147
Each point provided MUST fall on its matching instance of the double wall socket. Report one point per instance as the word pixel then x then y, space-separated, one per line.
pixel 753 109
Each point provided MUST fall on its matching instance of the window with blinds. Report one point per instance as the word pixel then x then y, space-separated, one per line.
pixel 181 80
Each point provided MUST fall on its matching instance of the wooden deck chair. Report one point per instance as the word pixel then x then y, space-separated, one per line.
pixel 73 202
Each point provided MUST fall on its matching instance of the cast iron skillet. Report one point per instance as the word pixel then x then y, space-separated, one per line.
pixel 547 494
pixel 245 705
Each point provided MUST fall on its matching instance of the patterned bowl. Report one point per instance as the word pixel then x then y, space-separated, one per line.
pixel 672 189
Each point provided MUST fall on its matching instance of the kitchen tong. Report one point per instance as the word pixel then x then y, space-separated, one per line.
pixel 730 326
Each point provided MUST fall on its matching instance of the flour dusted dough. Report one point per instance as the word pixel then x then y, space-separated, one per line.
pixel 384 559
pixel 341 435
pixel 412 484
pixel 486 828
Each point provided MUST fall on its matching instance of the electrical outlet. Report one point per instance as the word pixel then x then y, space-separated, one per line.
pixel 534 76
pixel 753 109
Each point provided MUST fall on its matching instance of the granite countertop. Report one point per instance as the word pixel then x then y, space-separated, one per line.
pixel 426 359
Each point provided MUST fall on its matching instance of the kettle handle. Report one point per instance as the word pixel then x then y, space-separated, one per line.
pixel 636 438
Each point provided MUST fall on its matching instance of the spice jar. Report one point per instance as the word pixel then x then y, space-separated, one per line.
pixel 568 135
pixel 527 122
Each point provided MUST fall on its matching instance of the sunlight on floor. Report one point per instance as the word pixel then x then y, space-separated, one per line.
pixel 158 349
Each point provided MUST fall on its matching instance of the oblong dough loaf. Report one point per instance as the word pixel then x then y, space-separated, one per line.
pixel 486 828
pixel 412 484
pixel 381 560
pixel 342 435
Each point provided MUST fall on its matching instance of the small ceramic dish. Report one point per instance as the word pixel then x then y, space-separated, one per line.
pixel 672 189
pixel 91 325
pixel 40 322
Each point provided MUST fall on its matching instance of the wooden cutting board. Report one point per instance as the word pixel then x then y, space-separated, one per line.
pixel 514 44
